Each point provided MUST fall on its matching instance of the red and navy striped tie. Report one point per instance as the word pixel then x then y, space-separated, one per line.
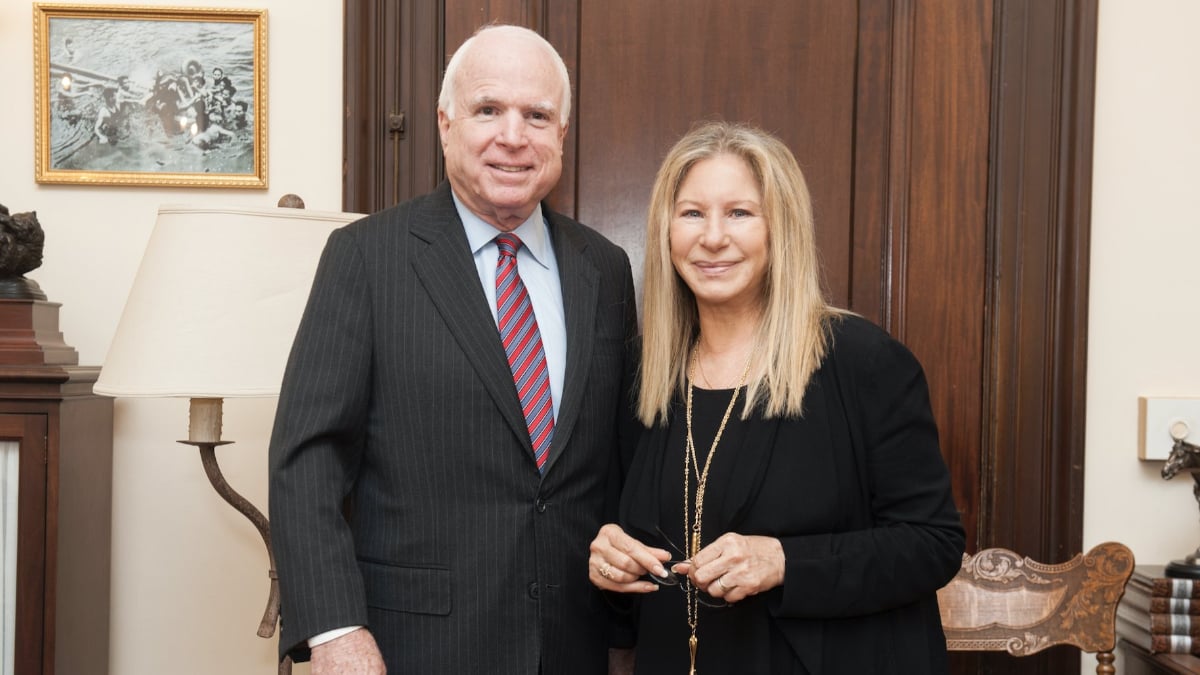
pixel 523 344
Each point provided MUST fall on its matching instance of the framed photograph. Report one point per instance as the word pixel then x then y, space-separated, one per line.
pixel 162 96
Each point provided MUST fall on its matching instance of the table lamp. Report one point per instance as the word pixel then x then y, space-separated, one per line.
pixel 211 315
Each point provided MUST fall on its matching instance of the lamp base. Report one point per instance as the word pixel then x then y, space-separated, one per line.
pixel 208 457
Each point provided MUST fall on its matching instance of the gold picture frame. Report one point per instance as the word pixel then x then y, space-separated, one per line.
pixel 158 96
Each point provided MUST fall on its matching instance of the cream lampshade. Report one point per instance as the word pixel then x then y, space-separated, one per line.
pixel 215 305
pixel 216 302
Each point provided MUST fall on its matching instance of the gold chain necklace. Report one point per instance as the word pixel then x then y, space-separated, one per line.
pixel 691 527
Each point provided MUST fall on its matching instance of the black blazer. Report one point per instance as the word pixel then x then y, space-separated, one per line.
pixel 398 400
pixel 860 497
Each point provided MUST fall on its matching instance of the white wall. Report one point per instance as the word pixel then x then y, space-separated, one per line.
pixel 1145 269
pixel 189 572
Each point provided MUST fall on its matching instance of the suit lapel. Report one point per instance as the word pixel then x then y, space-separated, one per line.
pixel 580 283
pixel 447 271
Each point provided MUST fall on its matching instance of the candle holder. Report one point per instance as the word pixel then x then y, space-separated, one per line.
pixel 204 432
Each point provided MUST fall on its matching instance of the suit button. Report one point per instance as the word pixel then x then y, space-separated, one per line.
pixel 540 505
pixel 533 590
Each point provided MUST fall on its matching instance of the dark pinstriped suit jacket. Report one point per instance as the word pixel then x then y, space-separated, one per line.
pixel 458 555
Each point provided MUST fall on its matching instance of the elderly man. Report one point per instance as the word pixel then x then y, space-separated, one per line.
pixel 447 438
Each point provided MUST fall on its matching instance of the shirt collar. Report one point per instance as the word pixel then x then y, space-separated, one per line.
pixel 479 233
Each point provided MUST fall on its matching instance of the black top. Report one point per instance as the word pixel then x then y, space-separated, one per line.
pixel 732 639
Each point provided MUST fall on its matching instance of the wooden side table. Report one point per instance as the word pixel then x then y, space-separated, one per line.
pixel 1138 661
pixel 63 438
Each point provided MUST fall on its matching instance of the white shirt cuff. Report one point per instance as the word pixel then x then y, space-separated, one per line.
pixel 322 638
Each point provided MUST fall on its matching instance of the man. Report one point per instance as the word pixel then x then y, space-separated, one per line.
pixel 472 493
pixel 237 115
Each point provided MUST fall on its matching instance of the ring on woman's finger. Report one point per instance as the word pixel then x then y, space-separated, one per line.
pixel 606 571
pixel 721 583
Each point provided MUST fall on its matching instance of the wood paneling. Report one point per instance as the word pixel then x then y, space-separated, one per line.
pixel 1039 211
pixel 648 71
pixel 920 197
pixel 393 72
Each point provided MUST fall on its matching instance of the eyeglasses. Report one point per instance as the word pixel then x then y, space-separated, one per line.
pixel 681 580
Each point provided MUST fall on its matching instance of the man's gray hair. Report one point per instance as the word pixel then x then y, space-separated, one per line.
pixel 450 79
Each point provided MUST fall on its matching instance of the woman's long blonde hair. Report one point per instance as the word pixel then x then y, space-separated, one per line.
pixel 792 334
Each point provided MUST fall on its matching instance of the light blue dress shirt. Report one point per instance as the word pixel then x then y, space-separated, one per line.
pixel 539 271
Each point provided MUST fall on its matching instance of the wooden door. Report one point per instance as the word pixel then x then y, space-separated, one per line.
pixel 947 145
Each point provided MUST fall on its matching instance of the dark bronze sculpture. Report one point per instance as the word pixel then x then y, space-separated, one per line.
pixel 1184 457
pixel 21 242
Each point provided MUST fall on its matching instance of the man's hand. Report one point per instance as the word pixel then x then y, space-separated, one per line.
pixel 354 653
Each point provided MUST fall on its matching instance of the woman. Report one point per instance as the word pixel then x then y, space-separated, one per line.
pixel 788 504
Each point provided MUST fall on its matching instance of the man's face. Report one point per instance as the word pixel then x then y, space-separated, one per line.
pixel 504 146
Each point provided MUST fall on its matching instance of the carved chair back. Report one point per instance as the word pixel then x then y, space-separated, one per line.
pixel 1001 601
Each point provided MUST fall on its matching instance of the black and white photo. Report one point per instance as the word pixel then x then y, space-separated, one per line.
pixel 150 96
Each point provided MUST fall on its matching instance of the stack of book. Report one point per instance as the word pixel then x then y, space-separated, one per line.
pixel 1160 614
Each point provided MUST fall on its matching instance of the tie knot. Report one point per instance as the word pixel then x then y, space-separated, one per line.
pixel 509 244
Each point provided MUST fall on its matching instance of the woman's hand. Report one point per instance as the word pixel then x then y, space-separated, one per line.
pixel 618 562
pixel 736 566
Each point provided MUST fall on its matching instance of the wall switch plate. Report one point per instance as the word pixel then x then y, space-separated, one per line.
pixel 1159 417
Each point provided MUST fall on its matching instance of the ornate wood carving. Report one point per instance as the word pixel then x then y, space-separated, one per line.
pixel 1001 601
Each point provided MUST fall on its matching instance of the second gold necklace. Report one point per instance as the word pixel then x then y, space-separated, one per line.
pixel 692 526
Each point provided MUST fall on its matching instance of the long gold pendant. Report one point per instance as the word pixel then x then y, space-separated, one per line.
pixel 690 524
pixel 692 648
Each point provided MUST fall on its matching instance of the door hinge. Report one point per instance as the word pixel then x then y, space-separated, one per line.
pixel 395 123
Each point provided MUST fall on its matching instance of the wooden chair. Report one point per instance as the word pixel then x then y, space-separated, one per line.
pixel 1000 601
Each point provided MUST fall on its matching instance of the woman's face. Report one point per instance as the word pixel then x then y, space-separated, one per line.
pixel 719 235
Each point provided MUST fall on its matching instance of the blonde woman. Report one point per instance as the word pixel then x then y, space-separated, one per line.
pixel 788 509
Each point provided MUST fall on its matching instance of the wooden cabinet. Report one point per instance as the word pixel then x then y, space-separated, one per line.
pixel 62 434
